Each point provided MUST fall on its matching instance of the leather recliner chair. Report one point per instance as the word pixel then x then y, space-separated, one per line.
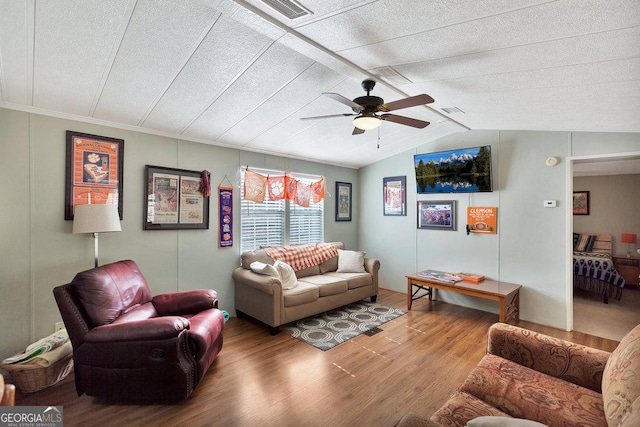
pixel 130 346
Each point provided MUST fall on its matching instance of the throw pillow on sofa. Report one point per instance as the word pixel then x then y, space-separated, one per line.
pixel 287 275
pixel 266 269
pixel 350 261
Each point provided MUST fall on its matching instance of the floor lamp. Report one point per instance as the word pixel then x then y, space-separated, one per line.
pixel 96 219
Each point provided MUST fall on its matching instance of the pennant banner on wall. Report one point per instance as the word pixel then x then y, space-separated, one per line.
pixel 225 217
pixel 257 186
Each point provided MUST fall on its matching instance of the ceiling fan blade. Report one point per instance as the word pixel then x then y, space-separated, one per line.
pixel 357 131
pixel 342 99
pixel 412 101
pixel 408 121
pixel 327 117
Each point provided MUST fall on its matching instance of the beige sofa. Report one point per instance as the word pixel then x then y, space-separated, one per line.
pixel 319 288
pixel 526 375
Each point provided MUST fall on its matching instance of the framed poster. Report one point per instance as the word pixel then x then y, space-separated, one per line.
pixel 482 219
pixel 173 200
pixel 343 201
pixel 437 214
pixel 581 203
pixel 94 171
pixel 394 196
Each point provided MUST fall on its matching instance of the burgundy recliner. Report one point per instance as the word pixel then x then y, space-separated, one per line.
pixel 130 346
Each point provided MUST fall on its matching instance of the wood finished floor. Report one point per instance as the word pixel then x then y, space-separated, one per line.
pixel 414 364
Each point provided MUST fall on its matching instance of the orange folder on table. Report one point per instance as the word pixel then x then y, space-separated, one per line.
pixel 470 277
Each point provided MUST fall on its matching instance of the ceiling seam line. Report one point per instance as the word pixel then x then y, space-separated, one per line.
pixel 265 101
pixel 163 92
pixel 532 69
pixel 505 47
pixel 30 21
pixel 244 69
pixel 112 58
pixel 466 21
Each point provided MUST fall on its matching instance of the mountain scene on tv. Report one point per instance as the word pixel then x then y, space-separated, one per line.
pixel 466 170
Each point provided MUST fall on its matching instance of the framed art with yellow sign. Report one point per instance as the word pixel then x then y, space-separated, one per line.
pixel 173 199
pixel 94 171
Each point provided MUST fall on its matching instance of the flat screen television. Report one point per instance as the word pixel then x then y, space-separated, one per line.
pixel 465 170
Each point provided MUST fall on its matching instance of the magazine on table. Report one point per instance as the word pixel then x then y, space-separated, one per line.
pixel 440 276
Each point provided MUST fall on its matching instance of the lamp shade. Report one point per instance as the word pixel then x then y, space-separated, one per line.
pixel 629 238
pixel 367 122
pixel 96 219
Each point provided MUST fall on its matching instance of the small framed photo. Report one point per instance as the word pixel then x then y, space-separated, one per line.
pixel 581 203
pixel 94 171
pixel 437 214
pixel 173 200
pixel 343 201
pixel 394 196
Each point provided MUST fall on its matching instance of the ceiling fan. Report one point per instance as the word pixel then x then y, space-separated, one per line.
pixel 365 108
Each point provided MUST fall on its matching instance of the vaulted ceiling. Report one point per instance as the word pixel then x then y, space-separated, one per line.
pixel 240 74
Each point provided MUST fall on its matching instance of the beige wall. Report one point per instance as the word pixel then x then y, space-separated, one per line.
pixel 38 250
pixel 614 207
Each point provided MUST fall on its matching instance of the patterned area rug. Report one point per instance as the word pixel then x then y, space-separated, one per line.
pixel 328 329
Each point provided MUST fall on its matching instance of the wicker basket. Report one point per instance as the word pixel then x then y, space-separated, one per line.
pixel 31 377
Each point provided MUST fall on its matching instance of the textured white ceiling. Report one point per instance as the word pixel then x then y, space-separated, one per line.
pixel 239 74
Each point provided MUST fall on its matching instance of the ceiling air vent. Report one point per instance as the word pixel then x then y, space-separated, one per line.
pixel 289 8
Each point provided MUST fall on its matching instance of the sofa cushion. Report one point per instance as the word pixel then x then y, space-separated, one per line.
pixel 309 271
pixel 107 292
pixel 263 268
pixel 287 275
pixel 354 280
pixel 259 255
pixel 304 293
pixel 494 421
pixel 525 393
pixel 463 407
pixel 327 285
pixel 621 381
pixel 350 261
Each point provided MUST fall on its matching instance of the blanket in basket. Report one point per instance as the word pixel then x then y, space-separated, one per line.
pixel 40 348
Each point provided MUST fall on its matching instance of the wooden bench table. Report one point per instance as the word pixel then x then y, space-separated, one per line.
pixel 506 294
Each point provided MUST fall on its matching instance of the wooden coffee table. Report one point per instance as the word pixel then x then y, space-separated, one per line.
pixel 506 294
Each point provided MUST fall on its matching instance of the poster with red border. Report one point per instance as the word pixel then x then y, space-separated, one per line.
pixel 94 171
pixel 482 219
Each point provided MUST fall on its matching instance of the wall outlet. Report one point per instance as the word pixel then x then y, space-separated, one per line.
pixel 59 325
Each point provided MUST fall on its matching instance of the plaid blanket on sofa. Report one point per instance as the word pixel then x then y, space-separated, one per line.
pixel 300 257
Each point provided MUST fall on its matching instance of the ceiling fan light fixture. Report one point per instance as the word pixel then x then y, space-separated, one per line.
pixel 367 122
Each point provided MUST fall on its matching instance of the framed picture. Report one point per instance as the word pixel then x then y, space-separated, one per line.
pixel 343 201
pixel 581 203
pixel 394 196
pixel 94 171
pixel 173 199
pixel 437 214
